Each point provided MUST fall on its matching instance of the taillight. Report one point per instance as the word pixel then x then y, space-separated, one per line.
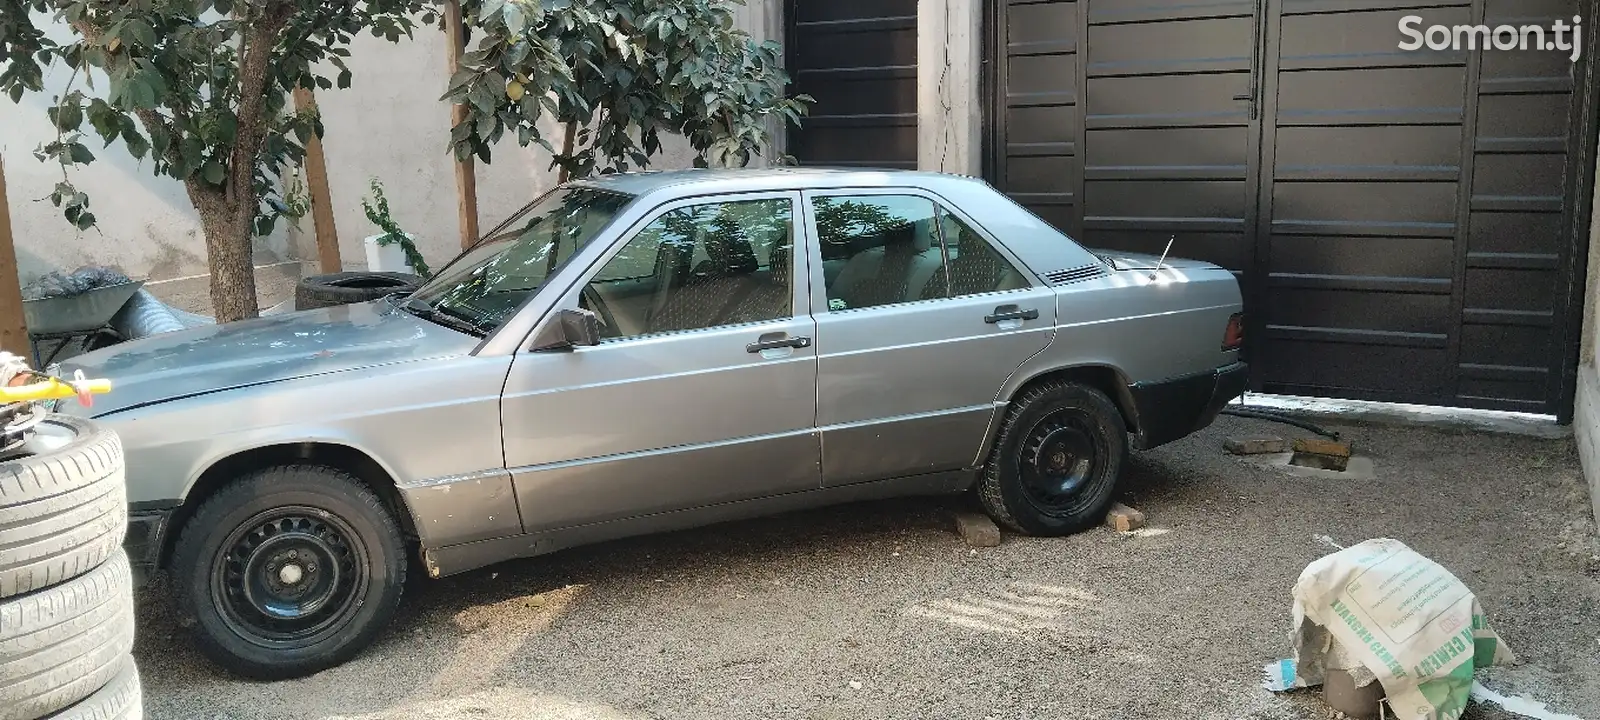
pixel 1233 338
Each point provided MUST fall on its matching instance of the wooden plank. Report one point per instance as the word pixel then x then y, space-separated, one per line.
pixel 321 200
pixel 466 174
pixel 13 324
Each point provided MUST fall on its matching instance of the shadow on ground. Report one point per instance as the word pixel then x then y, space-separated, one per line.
pixel 879 611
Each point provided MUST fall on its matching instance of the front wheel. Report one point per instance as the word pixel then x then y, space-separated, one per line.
pixel 1053 470
pixel 289 571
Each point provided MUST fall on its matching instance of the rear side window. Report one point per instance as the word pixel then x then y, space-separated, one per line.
pixel 975 266
pixel 879 250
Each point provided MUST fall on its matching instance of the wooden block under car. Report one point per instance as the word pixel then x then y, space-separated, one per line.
pixel 977 529
pixel 1319 446
pixel 1124 519
pixel 1262 445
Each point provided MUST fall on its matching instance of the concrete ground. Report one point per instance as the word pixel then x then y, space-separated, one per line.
pixel 880 611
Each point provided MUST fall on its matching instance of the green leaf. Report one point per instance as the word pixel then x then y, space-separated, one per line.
pixel 226 129
pixel 485 95
pixel 264 224
pixel 515 21
pixel 141 32
pixel 140 94
pixel 70 115
pixel 159 140
pixel 344 79
pixel 80 154
pixel 85 220
pixel 214 172
pixel 137 145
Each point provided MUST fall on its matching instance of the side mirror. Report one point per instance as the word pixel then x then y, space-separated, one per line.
pixel 570 329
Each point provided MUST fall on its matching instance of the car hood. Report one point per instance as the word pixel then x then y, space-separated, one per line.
pixel 213 358
pixel 1140 261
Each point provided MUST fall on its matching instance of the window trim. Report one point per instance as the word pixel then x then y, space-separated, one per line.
pixel 799 291
pixel 819 294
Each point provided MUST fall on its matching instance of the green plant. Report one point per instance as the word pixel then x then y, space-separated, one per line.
pixel 616 74
pixel 296 200
pixel 377 208
pixel 201 87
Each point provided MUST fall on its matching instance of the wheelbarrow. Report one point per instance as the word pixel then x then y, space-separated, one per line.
pixel 74 317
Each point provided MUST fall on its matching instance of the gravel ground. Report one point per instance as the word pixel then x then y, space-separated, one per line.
pixel 879 610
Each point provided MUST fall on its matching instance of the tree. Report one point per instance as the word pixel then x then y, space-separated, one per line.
pixel 202 87
pixel 616 74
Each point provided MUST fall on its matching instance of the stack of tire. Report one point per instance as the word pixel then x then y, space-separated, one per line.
pixel 66 591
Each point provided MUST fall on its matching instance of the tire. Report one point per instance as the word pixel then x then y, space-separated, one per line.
pixel 121 699
pixel 63 511
pixel 65 643
pixel 344 288
pixel 1053 470
pixel 233 558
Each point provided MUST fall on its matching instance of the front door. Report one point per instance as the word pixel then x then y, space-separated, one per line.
pixel 703 390
pixel 920 320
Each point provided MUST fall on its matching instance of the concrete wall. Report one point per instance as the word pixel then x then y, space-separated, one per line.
pixel 388 125
pixel 949 83
pixel 1586 413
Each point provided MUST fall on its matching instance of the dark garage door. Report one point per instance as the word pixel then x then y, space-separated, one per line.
pixel 858 59
pixel 1399 221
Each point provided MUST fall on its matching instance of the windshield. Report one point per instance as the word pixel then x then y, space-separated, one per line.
pixel 485 285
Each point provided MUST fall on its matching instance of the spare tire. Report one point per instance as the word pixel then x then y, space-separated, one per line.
pixel 344 288
pixel 63 505
pixel 66 642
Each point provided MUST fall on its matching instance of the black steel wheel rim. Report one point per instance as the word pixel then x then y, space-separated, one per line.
pixel 289 577
pixel 1060 458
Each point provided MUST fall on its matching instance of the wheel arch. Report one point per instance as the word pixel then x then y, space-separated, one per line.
pixel 1104 377
pixel 363 466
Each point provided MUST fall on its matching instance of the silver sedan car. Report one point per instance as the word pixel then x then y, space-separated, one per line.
pixel 644 352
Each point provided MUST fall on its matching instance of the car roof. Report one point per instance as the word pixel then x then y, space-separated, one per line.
pixel 713 180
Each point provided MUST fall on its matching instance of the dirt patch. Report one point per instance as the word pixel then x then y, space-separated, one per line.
pixel 881 611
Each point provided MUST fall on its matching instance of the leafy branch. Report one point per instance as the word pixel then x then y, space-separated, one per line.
pixel 377 209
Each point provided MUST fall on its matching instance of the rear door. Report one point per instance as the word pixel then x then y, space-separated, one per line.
pixel 920 318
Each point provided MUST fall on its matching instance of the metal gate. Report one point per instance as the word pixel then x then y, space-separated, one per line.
pixel 1403 223
pixel 858 59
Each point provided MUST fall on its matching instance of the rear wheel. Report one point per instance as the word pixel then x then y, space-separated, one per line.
pixel 289 571
pixel 1054 469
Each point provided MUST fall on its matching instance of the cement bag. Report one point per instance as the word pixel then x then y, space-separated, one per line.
pixel 1382 610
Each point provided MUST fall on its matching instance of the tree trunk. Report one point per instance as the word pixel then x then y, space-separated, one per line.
pixel 228 229
pixel 566 151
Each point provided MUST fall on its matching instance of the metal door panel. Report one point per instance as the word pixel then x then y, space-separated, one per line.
pixel 1410 227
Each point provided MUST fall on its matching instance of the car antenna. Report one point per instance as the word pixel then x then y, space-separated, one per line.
pixel 1163 260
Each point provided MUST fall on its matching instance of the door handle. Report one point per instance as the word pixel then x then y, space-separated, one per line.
pixel 775 343
pixel 1011 312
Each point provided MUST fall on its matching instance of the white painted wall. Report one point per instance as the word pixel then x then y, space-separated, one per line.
pixel 146 224
pixel 388 125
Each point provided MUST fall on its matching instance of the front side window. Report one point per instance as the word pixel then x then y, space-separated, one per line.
pixel 696 267
pixel 485 286
pixel 879 250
